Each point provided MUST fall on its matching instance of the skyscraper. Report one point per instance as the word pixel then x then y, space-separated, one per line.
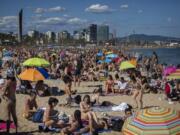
pixel 93 32
pixel 102 33
pixel 20 25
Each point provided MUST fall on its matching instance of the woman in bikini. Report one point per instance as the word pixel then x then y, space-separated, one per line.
pixel 10 98
pixel 109 85
pixel 74 125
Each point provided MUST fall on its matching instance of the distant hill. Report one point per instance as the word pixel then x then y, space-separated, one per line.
pixel 150 38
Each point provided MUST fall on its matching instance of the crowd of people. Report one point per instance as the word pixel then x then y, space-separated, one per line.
pixel 75 66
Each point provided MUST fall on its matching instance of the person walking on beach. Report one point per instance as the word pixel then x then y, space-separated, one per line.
pixel 79 66
pixel 10 98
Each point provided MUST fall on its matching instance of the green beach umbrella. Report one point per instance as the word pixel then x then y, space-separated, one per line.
pixel 37 62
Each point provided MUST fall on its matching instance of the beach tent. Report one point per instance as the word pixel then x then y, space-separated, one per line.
pixel 126 65
pixel 32 74
pixel 37 62
pixel 153 121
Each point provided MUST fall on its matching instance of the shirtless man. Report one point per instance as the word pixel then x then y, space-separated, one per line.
pixel 10 98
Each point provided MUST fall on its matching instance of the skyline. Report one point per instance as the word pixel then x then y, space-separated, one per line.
pixel 153 17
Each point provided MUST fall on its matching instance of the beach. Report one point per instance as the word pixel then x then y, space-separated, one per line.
pixel 27 127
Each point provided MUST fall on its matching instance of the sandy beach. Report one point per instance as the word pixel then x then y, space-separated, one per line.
pixel 29 128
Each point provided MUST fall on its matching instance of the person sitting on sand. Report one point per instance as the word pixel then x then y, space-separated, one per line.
pixel 109 85
pixel 74 125
pixel 94 124
pixel 42 89
pixel 85 107
pixel 30 103
pixel 50 117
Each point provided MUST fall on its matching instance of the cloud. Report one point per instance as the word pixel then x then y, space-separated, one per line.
pixel 8 23
pixel 40 10
pixel 140 11
pixel 98 8
pixel 53 21
pixel 169 19
pixel 53 9
pixel 76 21
pixel 124 6
pixel 56 9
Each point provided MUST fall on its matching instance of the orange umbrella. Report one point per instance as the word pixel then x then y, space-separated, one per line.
pixel 134 62
pixel 31 75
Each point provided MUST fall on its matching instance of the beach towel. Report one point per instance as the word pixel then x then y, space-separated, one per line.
pixel 3 126
pixel 43 128
pixel 120 107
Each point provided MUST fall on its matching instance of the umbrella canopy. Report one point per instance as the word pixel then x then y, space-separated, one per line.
pixel 153 121
pixel 37 62
pixel 99 54
pixel 31 74
pixel 7 58
pixel 169 70
pixel 108 52
pixel 126 65
pixel 174 75
pixel 43 72
pixel 107 60
pixel 7 53
pixel 134 62
pixel 111 56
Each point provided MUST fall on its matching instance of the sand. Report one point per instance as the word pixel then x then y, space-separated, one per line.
pixel 29 128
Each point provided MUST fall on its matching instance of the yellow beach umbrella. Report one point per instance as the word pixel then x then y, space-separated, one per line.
pixel 37 62
pixel 110 52
pixel 126 65
pixel 133 61
pixel 31 75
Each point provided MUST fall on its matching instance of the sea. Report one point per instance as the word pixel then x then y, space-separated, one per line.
pixel 166 55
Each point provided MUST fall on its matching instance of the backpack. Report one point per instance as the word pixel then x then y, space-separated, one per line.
pixel 38 116
pixel 117 124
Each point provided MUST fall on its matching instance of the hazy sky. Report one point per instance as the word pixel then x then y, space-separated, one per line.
pixel 155 17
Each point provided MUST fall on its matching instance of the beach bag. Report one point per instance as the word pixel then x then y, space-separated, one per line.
pixel 38 116
pixel 117 124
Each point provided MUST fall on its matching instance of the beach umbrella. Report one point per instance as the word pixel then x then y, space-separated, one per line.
pixel 107 60
pixel 99 54
pixel 43 72
pixel 100 61
pixel 111 56
pixel 126 65
pixel 7 54
pixel 153 121
pixel 7 58
pixel 108 52
pixel 174 75
pixel 133 61
pixel 37 62
pixel 169 70
pixel 32 74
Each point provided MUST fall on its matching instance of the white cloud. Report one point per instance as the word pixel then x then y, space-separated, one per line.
pixel 76 21
pixel 98 8
pixel 53 21
pixel 56 9
pixel 140 11
pixel 169 19
pixel 8 23
pixel 40 10
pixel 124 6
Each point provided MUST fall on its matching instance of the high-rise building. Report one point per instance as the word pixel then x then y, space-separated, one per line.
pixel 20 28
pixel 93 32
pixel 51 36
pixel 64 35
pixel 102 33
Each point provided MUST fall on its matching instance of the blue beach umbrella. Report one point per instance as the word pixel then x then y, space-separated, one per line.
pixel 107 60
pixel 99 54
pixel 100 61
pixel 43 72
pixel 111 56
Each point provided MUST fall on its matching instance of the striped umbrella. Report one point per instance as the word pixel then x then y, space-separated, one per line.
pixel 153 121
pixel 174 75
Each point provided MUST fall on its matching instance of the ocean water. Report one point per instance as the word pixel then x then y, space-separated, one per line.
pixel 166 55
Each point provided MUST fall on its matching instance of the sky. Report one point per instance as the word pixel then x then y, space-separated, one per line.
pixel 125 17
